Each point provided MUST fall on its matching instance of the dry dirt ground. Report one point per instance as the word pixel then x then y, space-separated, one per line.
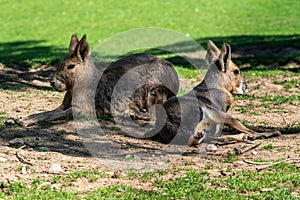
pixel 47 144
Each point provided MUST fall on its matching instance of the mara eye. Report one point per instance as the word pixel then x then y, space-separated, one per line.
pixel 236 71
pixel 70 66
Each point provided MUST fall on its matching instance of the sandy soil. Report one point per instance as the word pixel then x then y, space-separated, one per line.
pixel 64 144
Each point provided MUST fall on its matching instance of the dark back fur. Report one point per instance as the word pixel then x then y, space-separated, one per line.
pixel 157 78
pixel 130 85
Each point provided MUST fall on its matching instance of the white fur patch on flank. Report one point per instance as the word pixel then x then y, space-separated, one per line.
pixel 206 114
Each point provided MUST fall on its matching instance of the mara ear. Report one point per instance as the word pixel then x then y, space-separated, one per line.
pixel 212 53
pixel 82 50
pixel 225 57
pixel 73 43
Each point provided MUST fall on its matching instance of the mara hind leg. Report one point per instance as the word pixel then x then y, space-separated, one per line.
pixel 230 121
pixel 212 122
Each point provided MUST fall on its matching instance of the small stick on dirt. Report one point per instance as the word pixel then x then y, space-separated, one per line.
pixel 25 83
pixel 257 163
pixel 43 184
pixel 240 152
pixel 226 143
pixel 22 160
pixel 269 164
pixel 289 160
pixel 283 119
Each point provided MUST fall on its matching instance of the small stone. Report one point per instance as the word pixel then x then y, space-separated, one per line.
pixel 44 148
pixel 55 168
pixel 16 142
pixel 238 163
pixel 24 171
pixel 161 164
pixel 266 189
pixel 254 153
pixel 137 158
pixel 3 159
pixel 19 121
pixel 109 173
pixel 128 157
pixel 211 147
pixel 10 122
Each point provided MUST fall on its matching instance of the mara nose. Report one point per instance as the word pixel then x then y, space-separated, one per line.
pixel 52 82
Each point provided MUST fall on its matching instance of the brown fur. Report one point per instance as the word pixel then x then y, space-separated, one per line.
pixel 78 68
pixel 203 110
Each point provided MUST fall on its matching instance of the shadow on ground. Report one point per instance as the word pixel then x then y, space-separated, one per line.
pixel 21 55
pixel 49 137
pixel 25 61
pixel 249 52
pixel 44 138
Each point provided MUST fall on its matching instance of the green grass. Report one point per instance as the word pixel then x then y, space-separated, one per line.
pixel 246 109
pixel 288 84
pixel 2 122
pixel 291 128
pixel 268 147
pixel 275 100
pixel 91 175
pixel 101 19
pixel 146 176
pixel 189 73
pixel 2 113
pixel 35 32
pixel 2 119
pixel 230 158
pixel 280 180
pixel 251 74
pixel 19 190
pixel 115 128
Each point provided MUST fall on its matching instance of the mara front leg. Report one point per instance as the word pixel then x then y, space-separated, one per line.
pixel 60 112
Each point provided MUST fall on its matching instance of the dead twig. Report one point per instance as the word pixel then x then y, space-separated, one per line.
pixel 283 119
pixel 269 164
pixel 240 152
pixel 7 80
pixel 22 160
pixel 225 143
pixel 257 163
pixel 43 184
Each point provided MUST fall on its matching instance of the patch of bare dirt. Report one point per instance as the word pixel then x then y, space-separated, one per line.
pixel 260 112
pixel 59 142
